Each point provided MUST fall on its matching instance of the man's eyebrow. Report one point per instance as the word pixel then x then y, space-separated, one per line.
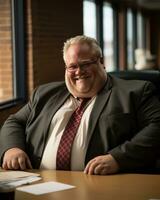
pixel 71 64
pixel 89 60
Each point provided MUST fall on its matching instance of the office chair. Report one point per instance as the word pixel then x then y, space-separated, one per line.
pixel 148 75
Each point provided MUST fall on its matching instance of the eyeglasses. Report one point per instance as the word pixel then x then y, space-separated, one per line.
pixel 83 66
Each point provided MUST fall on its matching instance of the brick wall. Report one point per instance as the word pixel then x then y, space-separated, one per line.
pixel 49 24
pixel 5 52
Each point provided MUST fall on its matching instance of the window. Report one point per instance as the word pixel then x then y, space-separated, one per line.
pixel 92 26
pixel 141 36
pixel 12 82
pixel 120 29
pixel 130 40
pixel 108 36
pixel 89 18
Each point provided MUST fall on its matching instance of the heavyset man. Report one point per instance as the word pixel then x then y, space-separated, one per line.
pixel 119 129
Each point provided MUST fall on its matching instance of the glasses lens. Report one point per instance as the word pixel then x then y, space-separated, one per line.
pixel 84 65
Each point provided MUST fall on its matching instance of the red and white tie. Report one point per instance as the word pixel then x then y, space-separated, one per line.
pixel 63 160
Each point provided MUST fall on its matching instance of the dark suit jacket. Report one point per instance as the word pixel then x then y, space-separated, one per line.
pixel 125 122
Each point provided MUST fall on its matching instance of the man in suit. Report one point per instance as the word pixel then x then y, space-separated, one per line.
pixel 119 129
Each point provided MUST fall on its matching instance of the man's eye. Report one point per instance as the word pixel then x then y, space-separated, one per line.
pixel 84 64
pixel 72 67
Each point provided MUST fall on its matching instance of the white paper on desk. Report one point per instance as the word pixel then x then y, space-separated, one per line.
pixel 10 175
pixel 23 181
pixel 46 187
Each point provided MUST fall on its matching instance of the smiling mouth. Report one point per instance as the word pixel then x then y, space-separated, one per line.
pixel 81 78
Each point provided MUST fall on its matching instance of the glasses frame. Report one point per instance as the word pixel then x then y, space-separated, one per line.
pixel 82 66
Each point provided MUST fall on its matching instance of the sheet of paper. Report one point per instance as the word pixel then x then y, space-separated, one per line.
pixel 46 187
pixel 9 175
pixel 22 181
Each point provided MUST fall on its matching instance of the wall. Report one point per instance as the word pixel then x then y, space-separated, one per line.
pixel 47 25
pixel 5 52
pixel 52 23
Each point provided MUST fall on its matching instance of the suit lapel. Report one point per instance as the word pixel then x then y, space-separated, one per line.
pixel 101 101
pixel 52 106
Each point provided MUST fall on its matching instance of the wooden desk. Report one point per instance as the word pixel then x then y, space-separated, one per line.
pixel 91 187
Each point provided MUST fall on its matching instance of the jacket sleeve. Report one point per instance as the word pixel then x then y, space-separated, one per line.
pixel 13 131
pixel 143 149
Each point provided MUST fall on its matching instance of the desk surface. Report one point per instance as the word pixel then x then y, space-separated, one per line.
pixel 92 187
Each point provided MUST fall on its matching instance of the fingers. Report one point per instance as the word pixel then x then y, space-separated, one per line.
pixel 90 167
pixel 96 167
pixel 102 165
pixel 101 169
pixel 4 165
pixel 16 159
pixel 14 163
pixel 7 164
pixel 22 163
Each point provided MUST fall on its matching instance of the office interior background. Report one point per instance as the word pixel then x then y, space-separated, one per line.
pixel 32 33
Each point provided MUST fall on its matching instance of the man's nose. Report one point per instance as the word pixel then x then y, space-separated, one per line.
pixel 79 69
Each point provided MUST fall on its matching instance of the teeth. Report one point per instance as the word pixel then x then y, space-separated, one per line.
pixel 80 78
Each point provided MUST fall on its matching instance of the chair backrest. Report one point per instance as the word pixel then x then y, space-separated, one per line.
pixel 148 75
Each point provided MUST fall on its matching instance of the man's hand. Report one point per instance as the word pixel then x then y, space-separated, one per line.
pixel 15 159
pixel 102 165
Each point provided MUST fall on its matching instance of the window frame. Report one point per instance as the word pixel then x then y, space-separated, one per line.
pixel 18 58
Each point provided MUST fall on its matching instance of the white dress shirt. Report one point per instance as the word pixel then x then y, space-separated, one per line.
pixel 57 126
